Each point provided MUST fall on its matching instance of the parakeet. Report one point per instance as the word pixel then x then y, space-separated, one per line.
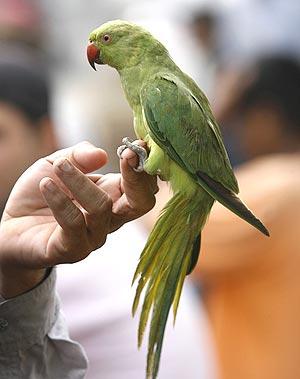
pixel 173 116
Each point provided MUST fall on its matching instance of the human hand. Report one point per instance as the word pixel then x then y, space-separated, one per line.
pixel 57 214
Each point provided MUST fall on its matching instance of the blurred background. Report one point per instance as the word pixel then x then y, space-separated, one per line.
pixel 213 41
pixel 245 55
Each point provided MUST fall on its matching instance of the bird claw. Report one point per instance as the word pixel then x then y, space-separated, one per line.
pixel 138 150
pixel 120 150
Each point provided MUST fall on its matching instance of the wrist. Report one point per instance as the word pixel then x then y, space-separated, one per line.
pixel 16 281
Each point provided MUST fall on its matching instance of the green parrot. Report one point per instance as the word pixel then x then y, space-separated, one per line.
pixel 173 116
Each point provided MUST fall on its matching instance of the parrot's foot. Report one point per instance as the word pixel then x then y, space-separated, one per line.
pixel 138 150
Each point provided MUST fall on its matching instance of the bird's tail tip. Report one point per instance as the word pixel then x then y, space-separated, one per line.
pixel 264 230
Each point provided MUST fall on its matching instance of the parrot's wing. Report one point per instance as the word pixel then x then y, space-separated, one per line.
pixel 187 131
pixel 181 126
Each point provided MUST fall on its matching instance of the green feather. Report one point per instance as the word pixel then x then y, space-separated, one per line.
pixel 171 249
pixel 184 271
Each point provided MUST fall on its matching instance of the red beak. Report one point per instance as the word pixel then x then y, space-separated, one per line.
pixel 92 54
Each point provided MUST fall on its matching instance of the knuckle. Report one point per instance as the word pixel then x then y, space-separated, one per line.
pixel 148 205
pixel 73 217
pixel 102 204
pixel 77 178
pixel 76 220
pixel 77 182
pixel 102 241
pixel 82 184
pixel 96 240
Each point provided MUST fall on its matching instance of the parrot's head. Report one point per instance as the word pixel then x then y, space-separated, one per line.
pixel 121 44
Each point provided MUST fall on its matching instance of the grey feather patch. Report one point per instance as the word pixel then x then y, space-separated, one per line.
pixel 195 254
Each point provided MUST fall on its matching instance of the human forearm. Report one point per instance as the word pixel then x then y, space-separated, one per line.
pixel 34 334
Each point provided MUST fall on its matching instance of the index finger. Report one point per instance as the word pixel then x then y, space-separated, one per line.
pixel 81 187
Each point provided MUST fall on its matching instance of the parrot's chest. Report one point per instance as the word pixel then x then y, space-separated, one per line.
pixel 140 125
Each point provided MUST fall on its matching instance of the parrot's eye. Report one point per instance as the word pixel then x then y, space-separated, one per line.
pixel 106 38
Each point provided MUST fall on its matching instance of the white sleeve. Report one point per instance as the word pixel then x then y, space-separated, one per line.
pixel 34 340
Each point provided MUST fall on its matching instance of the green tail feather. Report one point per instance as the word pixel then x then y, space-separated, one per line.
pixel 166 259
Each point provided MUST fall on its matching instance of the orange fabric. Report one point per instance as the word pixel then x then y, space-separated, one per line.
pixel 251 283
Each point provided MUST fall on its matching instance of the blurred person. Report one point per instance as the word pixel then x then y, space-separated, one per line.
pixel 252 28
pixel 203 26
pixel 95 293
pixel 26 132
pixel 21 22
pixel 251 285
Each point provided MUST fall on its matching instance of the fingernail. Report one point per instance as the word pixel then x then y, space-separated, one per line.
pixel 65 166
